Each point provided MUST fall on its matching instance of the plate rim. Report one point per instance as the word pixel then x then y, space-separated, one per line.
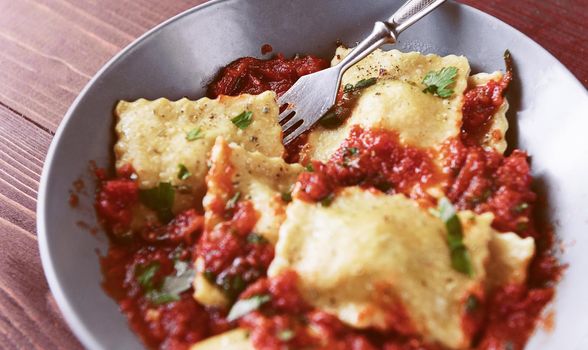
pixel 84 334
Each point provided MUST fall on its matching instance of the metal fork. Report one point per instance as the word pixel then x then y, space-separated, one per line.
pixel 314 94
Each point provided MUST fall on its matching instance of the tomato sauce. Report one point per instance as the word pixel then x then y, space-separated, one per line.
pixel 233 255
pixel 480 104
pixel 287 321
pixel 371 158
pixel 236 259
pixel 250 75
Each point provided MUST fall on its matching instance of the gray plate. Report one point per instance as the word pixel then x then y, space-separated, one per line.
pixel 548 118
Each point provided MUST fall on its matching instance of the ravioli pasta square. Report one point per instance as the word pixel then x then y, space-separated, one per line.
pixel 256 178
pixel 397 101
pixel 153 137
pixel 361 259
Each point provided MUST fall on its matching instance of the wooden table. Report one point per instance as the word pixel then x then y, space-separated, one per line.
pixel 49 49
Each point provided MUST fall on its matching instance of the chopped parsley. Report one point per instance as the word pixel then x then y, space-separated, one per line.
pixel 233 201
pixel 243 120
pixel 352 150
pixel 160 199
pixel 174 285
pixel 460 258
pixel 194 134
pixel 309 167
pixel 183 172
pixel 145 274
pixel 438 82
pixel 363 83
pixel 245 306
pixel 254 238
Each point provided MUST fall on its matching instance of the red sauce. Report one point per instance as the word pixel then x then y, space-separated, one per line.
pixel 114 204
pixel 486 181
pixel 233 255
pixel 480 104
pixel 287 321
pixel 371 158
pixel 250 75
pixel 266 48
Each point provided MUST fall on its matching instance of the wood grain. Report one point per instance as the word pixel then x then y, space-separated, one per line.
pixel 51 48
pixel 29 318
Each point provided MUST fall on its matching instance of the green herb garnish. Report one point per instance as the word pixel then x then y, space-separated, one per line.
pixel 363 83
pixel 145 274
pixel 460 258
pixel 194 134
pixel 309 167
pixel 256 239
pixel 245 306
pixel 183 172
pixel 438 82
pixel 233 201
pixel 174 285
pixel 243 120
pixel 286 335
pixel 160 199
pixel 352 150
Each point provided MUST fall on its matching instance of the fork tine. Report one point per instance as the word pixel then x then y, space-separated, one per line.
pixel 290 123
pixel 295 133
pixel 285 115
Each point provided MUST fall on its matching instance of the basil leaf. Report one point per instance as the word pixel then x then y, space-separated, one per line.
pixel 460 258
pixel 245 306
pixel 438 82
pixel 183 172
pixel 194 134
pixel 256 239
pixel 160 199
pixel 243 120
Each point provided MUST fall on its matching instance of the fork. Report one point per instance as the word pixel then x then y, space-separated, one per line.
pixel 314 94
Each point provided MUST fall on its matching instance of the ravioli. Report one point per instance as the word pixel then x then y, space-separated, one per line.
pixel 152 138
pixel 397 102
pixel 254 177
pixel 378 261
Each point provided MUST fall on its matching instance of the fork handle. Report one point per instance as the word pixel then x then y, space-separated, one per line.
pixel 386 32
pixel 410 12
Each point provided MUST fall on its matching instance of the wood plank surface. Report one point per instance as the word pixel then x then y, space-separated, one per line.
pixel 49 49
